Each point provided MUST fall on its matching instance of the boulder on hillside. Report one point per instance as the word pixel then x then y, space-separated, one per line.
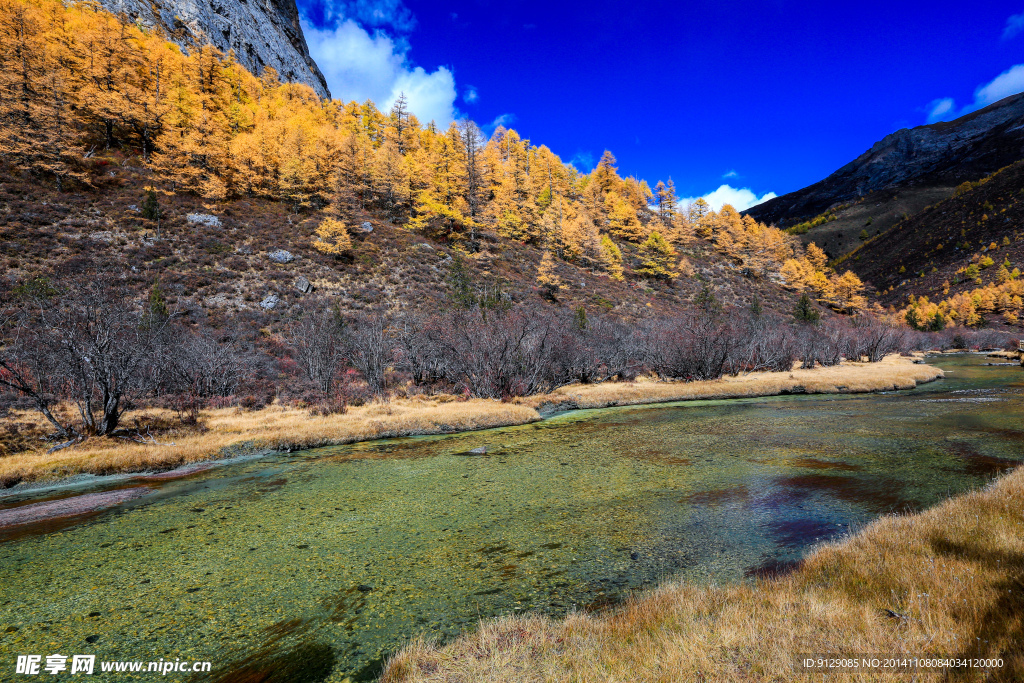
pixel 206 219
pixel 281 256
pixel 303 285
pixel 270 302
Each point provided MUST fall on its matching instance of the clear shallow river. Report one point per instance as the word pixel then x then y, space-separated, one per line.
pixel 315 565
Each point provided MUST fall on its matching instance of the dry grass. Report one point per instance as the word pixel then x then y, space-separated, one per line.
pixel 1008 355
pixel 277 428
pixel 273 428
pixel 946 582
pixel 893 372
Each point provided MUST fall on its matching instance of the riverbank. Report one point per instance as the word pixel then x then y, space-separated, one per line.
pixel 890 374
pixel 230 432
pixel 947 582
pixel 1012 356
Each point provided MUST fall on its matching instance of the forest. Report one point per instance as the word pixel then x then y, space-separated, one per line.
pixel 77 81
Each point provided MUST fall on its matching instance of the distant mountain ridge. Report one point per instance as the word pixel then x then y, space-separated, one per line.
pixel 939 154
pixel 260 32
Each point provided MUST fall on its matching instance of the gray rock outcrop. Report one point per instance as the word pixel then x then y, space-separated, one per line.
pixel 281 256
pixel 303 285
pixel 261 32
pixel 206 219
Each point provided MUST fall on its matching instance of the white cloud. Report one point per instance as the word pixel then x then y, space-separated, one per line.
pixel 584 161
pixel 359 66
pixel 1010 82
pixel 505 120
pixel 740 199
pixel 938 109
pixel 470 95
pixel 731 174
pixel 1014 25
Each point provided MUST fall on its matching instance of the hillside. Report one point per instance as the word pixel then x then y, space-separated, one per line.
pixel 374 209
pixel 940 155
pixel 899 176
pixel 932 212
pixel 929 253
pixel 221 268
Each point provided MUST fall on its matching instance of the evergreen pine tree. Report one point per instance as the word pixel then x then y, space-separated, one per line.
pixel 156 307
pixel 756 311
pixel 805 311
pixel 458 280
pixel 706 301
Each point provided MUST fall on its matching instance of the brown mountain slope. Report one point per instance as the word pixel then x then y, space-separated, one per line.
pixel 940 155
pixel 225 271
pixel 871 216
pixel 917 255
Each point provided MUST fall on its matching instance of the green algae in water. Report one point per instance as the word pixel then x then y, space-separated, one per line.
pixel 315 566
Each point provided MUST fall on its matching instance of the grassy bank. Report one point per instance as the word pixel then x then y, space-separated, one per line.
pixel 283 428
pixel 948 582
pixel 892 372
pixel 229 431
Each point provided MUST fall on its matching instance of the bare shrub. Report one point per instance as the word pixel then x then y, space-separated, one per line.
pixel 199 367
pixel 499 354
pixel 94 347
pixel 318 343
pixel 695 346
pixel 372 344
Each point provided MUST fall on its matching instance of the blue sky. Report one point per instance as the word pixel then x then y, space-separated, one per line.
pixel 765 97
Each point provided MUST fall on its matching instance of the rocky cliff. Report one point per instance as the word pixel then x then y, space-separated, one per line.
pixel 940 154
pixel 261 32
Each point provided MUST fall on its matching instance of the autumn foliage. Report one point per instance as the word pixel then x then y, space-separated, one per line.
pixel 74 79
pixel 1001 296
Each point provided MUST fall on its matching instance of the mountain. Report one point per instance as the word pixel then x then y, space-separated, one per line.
pixel 938 157
pixel 260 32
pixel 929 253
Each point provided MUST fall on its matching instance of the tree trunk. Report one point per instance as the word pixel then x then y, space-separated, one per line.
pixel 45 410
pixel 111 414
